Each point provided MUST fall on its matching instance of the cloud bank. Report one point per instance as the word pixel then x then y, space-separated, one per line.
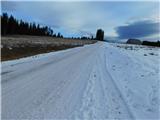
pixel 138 29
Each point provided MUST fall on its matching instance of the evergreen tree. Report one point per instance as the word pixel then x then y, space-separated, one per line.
pixel 9 26
pixel 59 35
pixel 4 23
pixel 100 34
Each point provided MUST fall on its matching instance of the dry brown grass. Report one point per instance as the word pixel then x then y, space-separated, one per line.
pixel 18 46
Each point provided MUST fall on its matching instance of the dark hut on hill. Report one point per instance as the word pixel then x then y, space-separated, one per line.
pixel 134 41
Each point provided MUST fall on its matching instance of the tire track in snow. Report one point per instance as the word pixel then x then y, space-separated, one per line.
pixel 102 99
pixel 92 106
pixel 87 108
pixel 116 89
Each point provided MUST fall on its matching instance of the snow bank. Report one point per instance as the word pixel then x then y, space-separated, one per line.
pixel 135 69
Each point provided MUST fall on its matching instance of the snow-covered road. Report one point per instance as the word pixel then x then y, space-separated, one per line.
pixel 78 83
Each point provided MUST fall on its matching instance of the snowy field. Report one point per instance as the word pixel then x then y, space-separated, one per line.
pixel 97 81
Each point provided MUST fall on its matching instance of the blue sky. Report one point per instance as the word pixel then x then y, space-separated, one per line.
pixel 119 20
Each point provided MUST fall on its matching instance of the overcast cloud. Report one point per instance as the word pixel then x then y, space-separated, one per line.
pixel 78 18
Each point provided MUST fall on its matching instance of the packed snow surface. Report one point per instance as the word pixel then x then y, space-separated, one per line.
pixel 98 81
